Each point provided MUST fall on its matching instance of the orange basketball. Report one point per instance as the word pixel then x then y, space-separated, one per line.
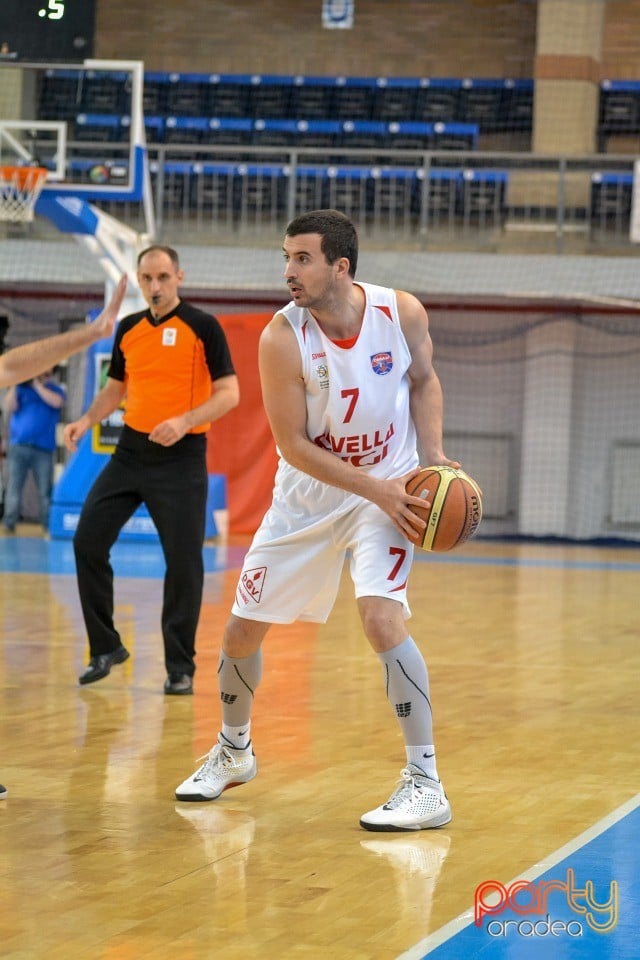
pixel 455 511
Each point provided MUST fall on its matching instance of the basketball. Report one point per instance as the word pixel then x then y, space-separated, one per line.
pixel 456 507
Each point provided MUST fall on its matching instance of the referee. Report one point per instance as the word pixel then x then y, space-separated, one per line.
pixel 172 368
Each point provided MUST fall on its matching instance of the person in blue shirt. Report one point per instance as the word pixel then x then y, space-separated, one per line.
pixel 33 410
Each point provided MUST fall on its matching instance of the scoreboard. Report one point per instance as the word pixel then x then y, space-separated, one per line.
pixel 47 30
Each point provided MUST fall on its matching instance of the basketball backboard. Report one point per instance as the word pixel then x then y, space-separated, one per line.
pixel 83 122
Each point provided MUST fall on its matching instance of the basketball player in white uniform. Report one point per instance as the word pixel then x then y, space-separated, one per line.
pixel 350 392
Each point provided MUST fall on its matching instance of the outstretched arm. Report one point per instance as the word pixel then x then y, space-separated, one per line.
pixel 27 361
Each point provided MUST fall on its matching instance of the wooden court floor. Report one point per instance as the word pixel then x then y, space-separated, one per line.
pixel 534 661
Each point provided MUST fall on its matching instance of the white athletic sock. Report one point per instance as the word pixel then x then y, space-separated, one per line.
pixel 239 738
pixel 425 758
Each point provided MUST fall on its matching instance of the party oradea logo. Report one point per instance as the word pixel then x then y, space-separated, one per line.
pixel 534 905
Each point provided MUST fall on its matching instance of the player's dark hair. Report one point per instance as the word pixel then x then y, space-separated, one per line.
pixel 159 248
pixel 339 237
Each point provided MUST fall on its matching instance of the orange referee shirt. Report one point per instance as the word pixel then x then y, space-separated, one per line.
pixel 168 365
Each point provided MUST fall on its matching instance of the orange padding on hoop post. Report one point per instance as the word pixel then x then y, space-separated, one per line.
pixel 240 444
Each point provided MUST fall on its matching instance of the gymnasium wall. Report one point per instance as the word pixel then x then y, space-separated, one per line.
pixel 489 38
pixel 438 38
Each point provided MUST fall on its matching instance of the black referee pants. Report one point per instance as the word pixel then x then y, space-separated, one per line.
pixel 172 483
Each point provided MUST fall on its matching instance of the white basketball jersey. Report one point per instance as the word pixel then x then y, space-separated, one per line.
pixel 357 402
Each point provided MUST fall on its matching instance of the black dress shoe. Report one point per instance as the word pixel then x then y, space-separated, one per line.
pixel 179 684
pixel 100 666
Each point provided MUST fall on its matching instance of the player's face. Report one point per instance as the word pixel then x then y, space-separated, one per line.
pixel 309 277
pixel 159 282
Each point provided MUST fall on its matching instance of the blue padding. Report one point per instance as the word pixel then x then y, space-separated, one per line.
pixel 188 78
pixel 187 123
pixel 405 83
pixel 621 86
pixel 178 166
pixel 230 123
pixel 370 82
pixel 284 126
pixel 441 83
pixel 70 214
pixel 102 120
pixel 487 83
pixel 394 173
pixel 65 513
pixel 319 126
pixel 364 126
pixel 348 173
pixel 271 80
pixel 218 169
pixel 613 179
pixel 486 176
pixel 410 126
pixel 261 170
pixel 314 82
pixel 472 129
pixel 120 76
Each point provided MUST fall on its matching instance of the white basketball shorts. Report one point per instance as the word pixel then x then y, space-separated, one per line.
pixel 294 574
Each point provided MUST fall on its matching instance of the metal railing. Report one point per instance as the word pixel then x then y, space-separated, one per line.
pixel 458 199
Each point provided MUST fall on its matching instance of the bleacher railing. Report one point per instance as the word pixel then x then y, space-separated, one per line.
pixel 468 197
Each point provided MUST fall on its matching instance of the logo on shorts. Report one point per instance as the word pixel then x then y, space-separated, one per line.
pixel 251 584
pixel 382 363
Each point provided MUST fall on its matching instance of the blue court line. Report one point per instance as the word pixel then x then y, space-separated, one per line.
pixel 129 559
pixel 607 855
pixel 618 566
pixel 144 559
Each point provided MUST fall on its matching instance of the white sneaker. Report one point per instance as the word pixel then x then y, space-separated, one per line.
pixel 223 768
pixel 418 803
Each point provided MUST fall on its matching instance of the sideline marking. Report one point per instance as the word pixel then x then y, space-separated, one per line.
pixel 436 939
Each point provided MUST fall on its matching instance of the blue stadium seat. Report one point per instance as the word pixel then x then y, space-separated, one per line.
pixel 187 95
pixel 619 110
pixel 260 191
pixel 395 99
pixel 311 188
pixel 435 198
pixel 437 101
pixel 321 136
pixel 213 188
pixel 390 194
pixel 60 96
pixel 455 136
pixel 185 129
pixel 154 128
pixel 105 93
pixel 154 93
pixel 312 98
pixel 354 98
pixel 229 95
pixel 611 198
pixel 347 189
pixel 483 195
pixel 270 97
pixel 102 127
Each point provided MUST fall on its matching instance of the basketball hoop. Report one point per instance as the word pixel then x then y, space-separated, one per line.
pixel 20 187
